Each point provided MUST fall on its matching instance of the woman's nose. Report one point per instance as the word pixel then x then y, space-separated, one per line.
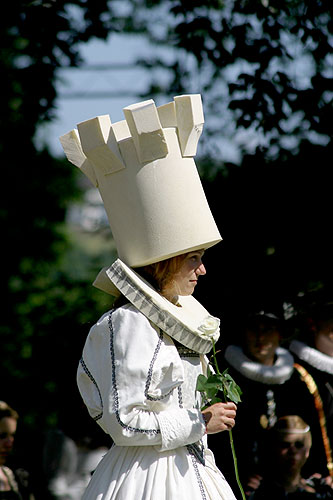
pixel 201 270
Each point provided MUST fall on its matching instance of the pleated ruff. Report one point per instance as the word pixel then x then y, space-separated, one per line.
pixel 143 473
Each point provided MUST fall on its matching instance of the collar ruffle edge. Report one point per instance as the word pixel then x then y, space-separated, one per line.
pixel 190 324
pixel 312 356
pixel 279 373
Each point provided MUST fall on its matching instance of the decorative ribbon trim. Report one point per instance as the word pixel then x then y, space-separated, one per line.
pixel 311 385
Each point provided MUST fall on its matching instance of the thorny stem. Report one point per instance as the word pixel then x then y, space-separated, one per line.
pixel 230 432
pixel 215 360
pixel 236 466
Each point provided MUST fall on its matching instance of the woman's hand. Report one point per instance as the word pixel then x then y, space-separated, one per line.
pixel 220 417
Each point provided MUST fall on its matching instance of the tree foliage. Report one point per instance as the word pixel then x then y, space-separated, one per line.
pixel 37 38
pixel 43 310
pixel 265 71
pixel 264 65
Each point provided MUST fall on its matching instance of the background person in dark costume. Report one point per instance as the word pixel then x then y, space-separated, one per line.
pixel 271 388
pixel 313 353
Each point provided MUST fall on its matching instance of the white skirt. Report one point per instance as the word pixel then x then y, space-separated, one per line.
pixel 143 473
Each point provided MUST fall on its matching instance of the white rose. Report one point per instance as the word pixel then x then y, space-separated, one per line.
pixel 210 326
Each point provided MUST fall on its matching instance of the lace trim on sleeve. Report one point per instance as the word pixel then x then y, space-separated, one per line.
pixel 115 387
pixel 88 373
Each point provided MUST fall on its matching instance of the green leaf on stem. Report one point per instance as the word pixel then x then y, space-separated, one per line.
pixel 231 390
pixel 210 386
pixel 214 382
pixel 207 386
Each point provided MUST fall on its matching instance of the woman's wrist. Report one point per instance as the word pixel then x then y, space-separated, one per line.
pixel 206 420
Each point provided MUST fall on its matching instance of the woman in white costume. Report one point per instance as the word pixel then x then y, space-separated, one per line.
pixel 141 360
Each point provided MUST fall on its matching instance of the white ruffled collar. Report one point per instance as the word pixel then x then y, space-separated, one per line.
pixel 276 374
pixel 190 324
pixel 312 356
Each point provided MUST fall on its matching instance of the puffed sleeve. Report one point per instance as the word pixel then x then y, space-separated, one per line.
pixel 129 377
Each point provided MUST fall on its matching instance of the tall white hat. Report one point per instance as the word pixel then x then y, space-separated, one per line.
pixel 144 169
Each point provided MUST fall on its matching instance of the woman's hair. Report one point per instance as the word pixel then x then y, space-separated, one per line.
pixel 160 273
pixel 7 411
pixel 157 275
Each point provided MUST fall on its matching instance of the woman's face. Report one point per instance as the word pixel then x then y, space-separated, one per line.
pixel 184 281
pixel 7 431
pixel 261 343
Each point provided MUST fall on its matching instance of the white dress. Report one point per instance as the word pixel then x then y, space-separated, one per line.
pixel 141 391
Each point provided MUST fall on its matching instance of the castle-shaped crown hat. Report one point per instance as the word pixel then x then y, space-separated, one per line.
pixel 144 169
